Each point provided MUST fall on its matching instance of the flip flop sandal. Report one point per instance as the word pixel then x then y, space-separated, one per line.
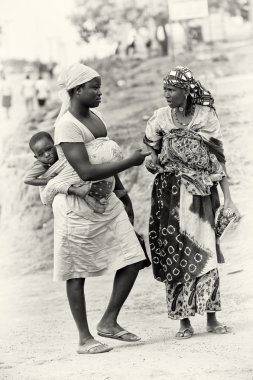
pixel 93 348
pixel 181 334
pixel 121 335
pixel 221 329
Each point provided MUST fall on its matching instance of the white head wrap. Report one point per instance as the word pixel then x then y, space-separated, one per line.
pixel 73 76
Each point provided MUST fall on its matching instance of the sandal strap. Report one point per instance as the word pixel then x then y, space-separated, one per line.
pixel 121 333
pixel 181 333
pixel 91 347
pixel 94 346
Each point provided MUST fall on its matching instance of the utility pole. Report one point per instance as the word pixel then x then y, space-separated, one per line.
pixel 251 17
pixel 171 37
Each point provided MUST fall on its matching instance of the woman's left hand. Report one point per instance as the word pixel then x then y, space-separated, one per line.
pixel 153 167
pixel 228 203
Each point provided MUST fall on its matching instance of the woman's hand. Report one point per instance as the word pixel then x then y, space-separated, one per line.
pixel 153 166
pixel 139 156
pixel 228 203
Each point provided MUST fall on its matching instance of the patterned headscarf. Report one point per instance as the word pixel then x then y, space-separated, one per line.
pixel 71 77
pixel 182 77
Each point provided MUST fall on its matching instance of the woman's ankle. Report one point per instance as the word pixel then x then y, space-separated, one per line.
pixel 185 322
pixel 211 317
pixel 84 338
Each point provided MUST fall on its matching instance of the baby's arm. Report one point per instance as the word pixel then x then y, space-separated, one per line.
pixel 82 192
pixel 37 181
pixel 63 183
pixel 68 182
pixel 33 174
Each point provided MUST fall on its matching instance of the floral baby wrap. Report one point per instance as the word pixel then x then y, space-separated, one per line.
pixel 184 151
pixel 100 150
pixel 184 198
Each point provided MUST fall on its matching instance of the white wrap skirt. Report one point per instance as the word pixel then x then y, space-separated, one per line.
pixel 88 244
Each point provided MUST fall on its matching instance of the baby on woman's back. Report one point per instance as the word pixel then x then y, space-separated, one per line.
pixel 57 176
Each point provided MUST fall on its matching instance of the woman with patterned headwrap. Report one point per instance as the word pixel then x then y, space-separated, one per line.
pixel 188 157
pixel 88 244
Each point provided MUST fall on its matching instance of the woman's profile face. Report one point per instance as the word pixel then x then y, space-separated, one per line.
pixel 174 96
pixel 90 93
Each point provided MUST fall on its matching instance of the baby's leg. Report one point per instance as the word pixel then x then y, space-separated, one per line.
pixel 101 189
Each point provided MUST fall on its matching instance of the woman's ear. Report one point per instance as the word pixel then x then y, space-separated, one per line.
pixel 187 92
pixel 78 90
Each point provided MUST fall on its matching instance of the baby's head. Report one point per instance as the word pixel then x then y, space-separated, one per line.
pixel 42 145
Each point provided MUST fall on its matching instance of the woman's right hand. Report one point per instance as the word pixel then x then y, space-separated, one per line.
pixel 139 156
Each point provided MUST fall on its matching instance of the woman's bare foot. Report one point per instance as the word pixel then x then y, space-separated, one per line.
pixel 115 331
pixel 92 346
pixel 214 326
pixel 186 330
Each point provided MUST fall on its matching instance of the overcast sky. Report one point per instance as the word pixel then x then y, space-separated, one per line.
pixel 40 29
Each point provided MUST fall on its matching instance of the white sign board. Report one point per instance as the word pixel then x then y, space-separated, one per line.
pixel 187 9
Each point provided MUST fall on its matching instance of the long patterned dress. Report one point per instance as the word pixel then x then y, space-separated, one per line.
pixel 182 240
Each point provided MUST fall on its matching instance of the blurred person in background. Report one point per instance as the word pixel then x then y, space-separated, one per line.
pixel 6 95
pixel 118 48
pixel 42 91
pixel 131 43
pixel 28 92
pixel 50 70
pixel 187 155
pixel 1 69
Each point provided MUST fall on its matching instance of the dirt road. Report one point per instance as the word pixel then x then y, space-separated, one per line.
pixel 38 338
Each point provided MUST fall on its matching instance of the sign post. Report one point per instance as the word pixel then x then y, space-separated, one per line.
pixel 185 10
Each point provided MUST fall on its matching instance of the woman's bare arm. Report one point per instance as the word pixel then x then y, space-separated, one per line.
pixel 77 156
pixel 228 203
pixel 122 194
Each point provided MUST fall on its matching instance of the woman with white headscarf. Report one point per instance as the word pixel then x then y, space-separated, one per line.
pixel 89 244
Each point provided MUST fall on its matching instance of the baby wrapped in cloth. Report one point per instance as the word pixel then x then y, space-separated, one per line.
pixel 100 150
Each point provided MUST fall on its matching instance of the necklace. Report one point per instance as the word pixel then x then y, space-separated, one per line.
pixel 176 115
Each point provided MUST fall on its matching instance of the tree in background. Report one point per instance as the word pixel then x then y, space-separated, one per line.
pixel 233 7
pixel 104 19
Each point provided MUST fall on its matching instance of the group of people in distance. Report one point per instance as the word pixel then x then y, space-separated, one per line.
pixel 30 90
pixel 93 216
